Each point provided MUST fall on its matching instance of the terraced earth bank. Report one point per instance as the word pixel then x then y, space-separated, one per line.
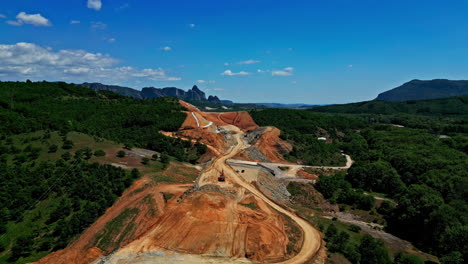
pixel 206 221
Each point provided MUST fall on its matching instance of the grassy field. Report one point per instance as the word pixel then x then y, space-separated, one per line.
pixel 176 172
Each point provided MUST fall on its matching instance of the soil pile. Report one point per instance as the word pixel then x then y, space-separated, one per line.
pixel 215 224
pixel 136 211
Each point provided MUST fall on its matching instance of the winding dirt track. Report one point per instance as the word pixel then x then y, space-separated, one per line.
pixel 312 238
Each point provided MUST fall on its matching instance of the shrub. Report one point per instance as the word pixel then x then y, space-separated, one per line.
pixel 99 153
pixel 67 144
pixel 354 228
pixel 53 148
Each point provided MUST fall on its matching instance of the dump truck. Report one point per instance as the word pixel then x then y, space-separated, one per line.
pixel 221 177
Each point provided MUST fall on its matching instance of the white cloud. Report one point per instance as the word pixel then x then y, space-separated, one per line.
pixel 167 48
pixel 281 73
pixel 75 22
pixel 262 71
pixel 32 19
pixel 95 4
pixel 98 25
pixel 203 81
pixel 248 62
pixel 79 70
pixel 14 23
pixel 191 25
pixel 288 71
pixel 110 40
pixel 226 64
pixel 230 73
pixel 27 60
pixel 350 66
pixel 2 16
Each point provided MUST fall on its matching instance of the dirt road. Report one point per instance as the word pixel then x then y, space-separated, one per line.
pixel 312 238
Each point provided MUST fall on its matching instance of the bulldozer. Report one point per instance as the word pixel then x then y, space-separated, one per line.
pixel 221 177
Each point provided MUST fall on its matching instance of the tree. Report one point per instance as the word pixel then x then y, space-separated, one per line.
pixel 135 174
pixel 354 228
pixel 453 257
pixel 53 148
pixel 377 176
pixel 145 161
pixel 121 154
pixel 128 146
pixel 66 156
pixel 165 158
pixel 67 144
pixel 339 242
pixel 155 156
pixel 22 247
pixel 99 153
pixel 88 153
pixel 373 251
pixel 331 232
pixel 404 258
pixel 414 208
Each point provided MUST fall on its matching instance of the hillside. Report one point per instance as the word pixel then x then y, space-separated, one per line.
pixel 420 90
pixel 194 94
pixel 28 107
pixel 408 181
pixel 54 181
pixel 444 106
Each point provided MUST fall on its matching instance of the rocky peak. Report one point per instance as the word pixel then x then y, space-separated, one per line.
pixel 214 99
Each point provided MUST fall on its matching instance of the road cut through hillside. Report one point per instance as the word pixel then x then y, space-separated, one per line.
pixel 311 236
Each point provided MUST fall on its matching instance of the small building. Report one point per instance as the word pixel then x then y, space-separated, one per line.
pixel 322 138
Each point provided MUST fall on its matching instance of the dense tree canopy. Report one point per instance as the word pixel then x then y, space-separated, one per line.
pixel 27 107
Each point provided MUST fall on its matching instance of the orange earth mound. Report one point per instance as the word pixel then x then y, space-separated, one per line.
pixel 211 223
pixel 242 120
pixel 272 146
pixel 144 199
pixel 203 222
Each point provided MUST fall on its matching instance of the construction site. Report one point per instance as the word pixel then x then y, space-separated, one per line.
pixel 236 211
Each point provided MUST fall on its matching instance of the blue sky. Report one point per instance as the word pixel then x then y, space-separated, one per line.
pixel 315 52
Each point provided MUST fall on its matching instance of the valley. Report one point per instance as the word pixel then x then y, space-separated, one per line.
pixel 207 218
pixel 167 183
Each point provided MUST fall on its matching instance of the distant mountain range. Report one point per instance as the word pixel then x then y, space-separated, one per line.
pixel 422 90
pixel 457 105
pixel 194 94
pixel 290 106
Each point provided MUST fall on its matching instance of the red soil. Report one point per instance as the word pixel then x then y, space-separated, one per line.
pixel 202 222
pixel 306 175
pixel 139 196
pixel 211 223
pixel 272 146
pixel 240 119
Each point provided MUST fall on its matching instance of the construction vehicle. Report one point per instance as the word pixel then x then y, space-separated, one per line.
pixel 222 178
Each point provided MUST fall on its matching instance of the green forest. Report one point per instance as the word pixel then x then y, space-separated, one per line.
pixel 302 128
pixel 421 166
pixel 445 106
pixel 42 174
pixel 27 107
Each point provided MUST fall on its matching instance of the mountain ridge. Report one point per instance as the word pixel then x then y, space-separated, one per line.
pixel 425 89
pixel 194 94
